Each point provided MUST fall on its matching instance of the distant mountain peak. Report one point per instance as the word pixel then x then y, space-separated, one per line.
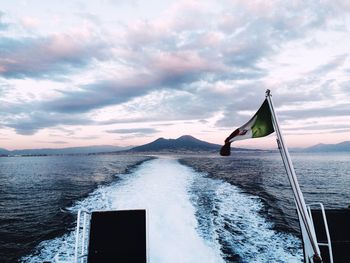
pixel 183 143
pixel 160 139
pixel 187 137
pixel 338 147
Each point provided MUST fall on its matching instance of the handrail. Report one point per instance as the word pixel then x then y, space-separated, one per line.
pixel 82 256
pixel 325 223
pixel 77 238
pixel 80 237
pixel 83 239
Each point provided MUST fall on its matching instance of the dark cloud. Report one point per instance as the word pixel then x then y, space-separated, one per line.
pixel 44 57
pixel 98 95
pixel 169 71
pixel 243 98
pixel 185 105
pixel 135 130
pixel 253 35
pixel 327 111
pixel 301 111
pixel 337 62
pixel 3 25
pixel 171 105
pixel 232 119
pixel 11 109
pixel 246 52
pixel 35 121
pixel 203 121
pixel 236 73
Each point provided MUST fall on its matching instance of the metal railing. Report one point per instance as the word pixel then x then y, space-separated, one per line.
pixel 325 223
pixel 80 241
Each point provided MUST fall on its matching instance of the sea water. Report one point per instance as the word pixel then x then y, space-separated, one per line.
pixel 34 191
pixel 200 209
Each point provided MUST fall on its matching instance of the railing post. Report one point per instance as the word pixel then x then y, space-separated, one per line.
pixel 83 238
pixel 77 238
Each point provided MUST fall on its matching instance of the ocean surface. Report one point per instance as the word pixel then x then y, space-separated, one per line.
pixel 33 190
pixel 200 208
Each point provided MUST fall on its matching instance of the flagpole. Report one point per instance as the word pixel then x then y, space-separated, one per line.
pixel 298 195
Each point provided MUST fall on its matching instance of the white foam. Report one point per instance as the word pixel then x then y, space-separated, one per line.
pixel 161 186
pixel 246 233
pixel 170 193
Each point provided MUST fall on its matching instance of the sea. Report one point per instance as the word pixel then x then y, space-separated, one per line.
pixel 200 207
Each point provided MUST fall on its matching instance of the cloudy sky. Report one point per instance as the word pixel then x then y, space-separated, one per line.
pixel 121 72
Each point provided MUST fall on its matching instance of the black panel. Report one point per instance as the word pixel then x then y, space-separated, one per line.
pixel 339 229
pixel 118 236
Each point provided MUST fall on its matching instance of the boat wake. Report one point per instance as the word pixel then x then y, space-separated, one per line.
pixel 191 218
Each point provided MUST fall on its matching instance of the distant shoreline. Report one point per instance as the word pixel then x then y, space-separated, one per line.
pixel 182 145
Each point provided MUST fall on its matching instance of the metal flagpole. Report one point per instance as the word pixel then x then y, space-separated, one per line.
pixel 298 195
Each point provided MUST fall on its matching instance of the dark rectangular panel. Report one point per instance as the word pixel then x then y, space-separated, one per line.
pixel 339 230
pixel 118 236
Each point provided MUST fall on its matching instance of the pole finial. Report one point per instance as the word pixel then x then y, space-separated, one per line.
pixel 268 93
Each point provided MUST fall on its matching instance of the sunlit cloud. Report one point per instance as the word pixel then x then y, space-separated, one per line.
pixel 122 67
pixel 44 57
pixel 134 131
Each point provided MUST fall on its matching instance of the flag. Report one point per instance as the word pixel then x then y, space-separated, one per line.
pixel 258 126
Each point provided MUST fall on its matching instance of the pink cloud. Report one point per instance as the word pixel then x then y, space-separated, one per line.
pixel 58 53
pixel 30 22
pixel 180 62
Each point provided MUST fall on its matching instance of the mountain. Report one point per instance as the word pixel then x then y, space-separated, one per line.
pixel 4 151
pixel 183 143
pixel 339 147
pixel 70 150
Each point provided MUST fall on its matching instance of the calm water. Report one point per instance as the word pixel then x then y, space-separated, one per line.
pixel 236 209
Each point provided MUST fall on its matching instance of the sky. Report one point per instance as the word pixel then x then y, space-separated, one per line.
pixel 78 73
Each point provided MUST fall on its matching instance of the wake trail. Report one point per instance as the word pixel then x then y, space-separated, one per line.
pixel 190 218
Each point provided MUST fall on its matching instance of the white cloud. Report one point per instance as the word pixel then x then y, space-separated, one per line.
pixel 30 22
pixel 189 60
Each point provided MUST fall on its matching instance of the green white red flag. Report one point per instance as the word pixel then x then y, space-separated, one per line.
pixel 259 125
